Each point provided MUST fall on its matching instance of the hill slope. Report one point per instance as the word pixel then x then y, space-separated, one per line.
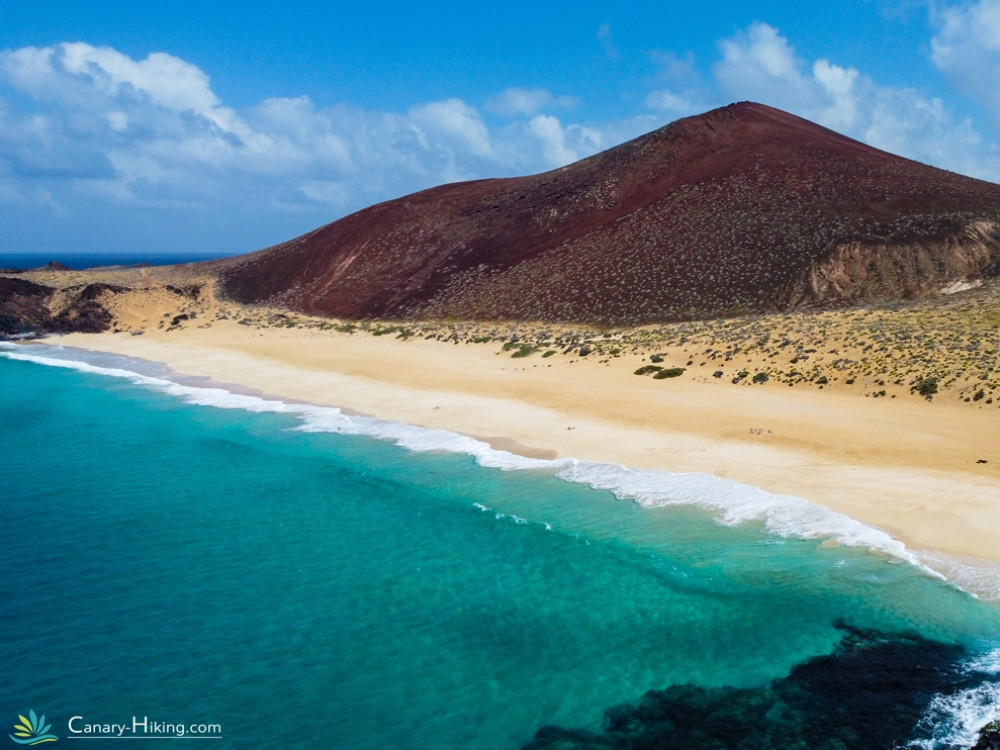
pixel 743 209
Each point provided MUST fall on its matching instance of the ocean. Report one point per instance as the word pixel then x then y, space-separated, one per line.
pixel 80 261
pixel 181 560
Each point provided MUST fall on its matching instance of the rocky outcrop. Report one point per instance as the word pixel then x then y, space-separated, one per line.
pixel 23 307
pixel 29 309
pixel 82 309
pixel 744 209
pixel 989 737
pixel 920 266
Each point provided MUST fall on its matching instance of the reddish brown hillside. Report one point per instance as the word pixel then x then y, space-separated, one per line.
pixel 742 209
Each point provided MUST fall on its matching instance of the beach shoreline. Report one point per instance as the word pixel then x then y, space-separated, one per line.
pixel 910 468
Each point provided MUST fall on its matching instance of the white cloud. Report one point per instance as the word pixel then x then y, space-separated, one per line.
pixel 966 48
pixel 167 80
pixel 517 101
pixel 152 132
pixel 760 64
pixel 548 130
pixel 838 88
pixel 456 124
pixel 674 104
pixel 86 125
pixel 87 77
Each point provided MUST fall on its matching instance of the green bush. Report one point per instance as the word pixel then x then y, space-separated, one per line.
pixel 525 350
pixel 926 387
pixel 669 372
pixel 646 369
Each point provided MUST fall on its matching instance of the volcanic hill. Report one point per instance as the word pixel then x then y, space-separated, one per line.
pixel 742 209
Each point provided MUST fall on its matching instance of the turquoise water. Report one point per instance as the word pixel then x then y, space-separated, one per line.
pixel 193 563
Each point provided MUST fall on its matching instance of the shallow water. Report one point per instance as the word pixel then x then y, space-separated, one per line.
pixel 289 572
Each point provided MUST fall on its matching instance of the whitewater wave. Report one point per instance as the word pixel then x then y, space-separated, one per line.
pixel 953 721
pixel 732 503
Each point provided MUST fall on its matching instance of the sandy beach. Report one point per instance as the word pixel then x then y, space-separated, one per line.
pixel 927 473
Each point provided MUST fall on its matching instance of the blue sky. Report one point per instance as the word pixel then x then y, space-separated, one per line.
pixel 221 127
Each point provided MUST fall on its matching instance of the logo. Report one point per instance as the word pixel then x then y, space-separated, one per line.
pixel 32 730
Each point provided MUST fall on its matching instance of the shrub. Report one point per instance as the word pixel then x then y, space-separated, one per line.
pixel 669 372
pixel 761 377
pixel 646 369
pixel 525 350
pixel 926 387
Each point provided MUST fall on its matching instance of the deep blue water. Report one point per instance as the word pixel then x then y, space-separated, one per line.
pixel 79 261
pixel 197 564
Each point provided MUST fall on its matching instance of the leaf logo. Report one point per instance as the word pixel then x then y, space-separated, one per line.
pixel 32 730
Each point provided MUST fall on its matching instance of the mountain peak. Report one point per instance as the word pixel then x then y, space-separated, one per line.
pixel 742 209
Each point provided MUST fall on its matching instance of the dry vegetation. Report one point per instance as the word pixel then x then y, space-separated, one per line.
pixel 941 349
pixel 944 348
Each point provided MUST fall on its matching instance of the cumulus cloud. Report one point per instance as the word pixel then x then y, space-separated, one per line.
pixel 966 48
pixel 456 125
pixel 759 63
pixel 760 58
pixel 153 132
pixel 90 126
pixel 549 132
pixel 88 131
pixel 92 78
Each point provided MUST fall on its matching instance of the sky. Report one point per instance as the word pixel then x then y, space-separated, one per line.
pixel 223 127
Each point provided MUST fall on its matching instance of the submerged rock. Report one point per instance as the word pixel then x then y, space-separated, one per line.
pixel 869 693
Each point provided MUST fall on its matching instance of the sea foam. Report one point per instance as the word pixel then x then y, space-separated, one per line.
pixel 731 502
pixel 955 720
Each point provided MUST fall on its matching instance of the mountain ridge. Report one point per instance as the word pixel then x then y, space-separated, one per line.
pixel 744 209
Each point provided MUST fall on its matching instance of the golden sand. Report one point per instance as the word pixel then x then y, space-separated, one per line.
pixel 823 406
pixel 909 466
